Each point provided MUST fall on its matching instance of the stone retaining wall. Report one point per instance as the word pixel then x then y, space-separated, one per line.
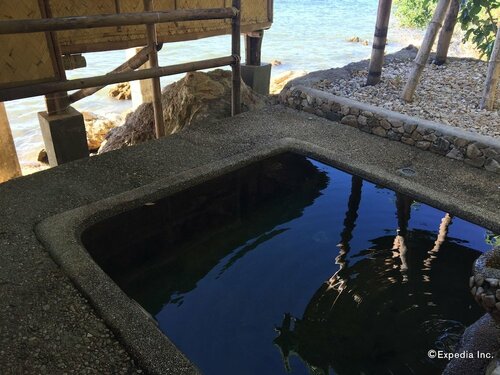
pixel 476 150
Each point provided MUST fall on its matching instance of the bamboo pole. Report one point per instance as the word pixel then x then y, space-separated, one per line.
pixel 236 66
pixel 447 32
pixel 57 102
pixel 379 42
pixel 490 87
pixel 75 84
pixel 9 163
pixel 132 64
pixel 425 50
pixel 155 81
pixel 111 20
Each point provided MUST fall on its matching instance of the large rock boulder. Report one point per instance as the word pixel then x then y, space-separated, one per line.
pixel 121 91
pixel 281 80
pixel 198 98
pixel 97 127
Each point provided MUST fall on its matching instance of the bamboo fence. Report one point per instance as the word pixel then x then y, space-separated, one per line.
pixel 27 58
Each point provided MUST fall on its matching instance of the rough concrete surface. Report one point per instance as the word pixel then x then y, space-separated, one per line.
pixel 482 336
pixel 48 326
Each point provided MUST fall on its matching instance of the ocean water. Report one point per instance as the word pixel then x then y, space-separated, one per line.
pixel 306 35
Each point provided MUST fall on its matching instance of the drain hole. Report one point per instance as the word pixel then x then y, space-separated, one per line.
pixel 408 172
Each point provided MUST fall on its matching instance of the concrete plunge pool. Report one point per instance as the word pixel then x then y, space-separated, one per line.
pixel 290 266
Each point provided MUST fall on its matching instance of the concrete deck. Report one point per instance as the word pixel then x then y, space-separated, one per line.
pixel 48 326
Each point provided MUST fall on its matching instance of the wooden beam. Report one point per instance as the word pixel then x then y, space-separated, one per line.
pixel 9 163
pixel 253 47
pixel 236 65
pixel 155 81
pixel 270 10
pixel 75 84
pixel 379 42
pixel 110 20
pixel 163 38
pixel 132 64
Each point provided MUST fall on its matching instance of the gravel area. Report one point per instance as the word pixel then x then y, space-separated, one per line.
pixel 47 327
pixel 449 94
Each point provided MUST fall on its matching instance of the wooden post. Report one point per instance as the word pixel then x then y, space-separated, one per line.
pixel 490 87
pixel 63 128
pixel 253 48
pixel 155 81
pixel 9 163
pixel 55 102
pixel 270 10
pixel 425 50
pixel 379 42
pixel 236 66
pixel 447 32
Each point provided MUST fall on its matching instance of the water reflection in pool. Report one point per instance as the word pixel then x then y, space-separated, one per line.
pixel 290 266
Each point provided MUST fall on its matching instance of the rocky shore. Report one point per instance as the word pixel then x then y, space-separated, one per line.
pixel 449 94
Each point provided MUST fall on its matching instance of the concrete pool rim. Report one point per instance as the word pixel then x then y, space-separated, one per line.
pixel 60 235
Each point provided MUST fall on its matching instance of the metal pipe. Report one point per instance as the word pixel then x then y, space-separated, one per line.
pixel 75 84
pixel 110 20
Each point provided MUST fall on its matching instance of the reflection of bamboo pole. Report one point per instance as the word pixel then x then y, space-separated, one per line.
pixel 443 232
pixel 336 282
pixel 491 84
pixel 425 50
pixel 403 207
pixel 352 212
pixel 400 245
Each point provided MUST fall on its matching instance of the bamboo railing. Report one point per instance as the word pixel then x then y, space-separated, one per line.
pixel 120 75
pixel 114 20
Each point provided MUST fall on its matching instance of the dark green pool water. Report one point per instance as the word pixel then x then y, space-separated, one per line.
pixel 290 266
